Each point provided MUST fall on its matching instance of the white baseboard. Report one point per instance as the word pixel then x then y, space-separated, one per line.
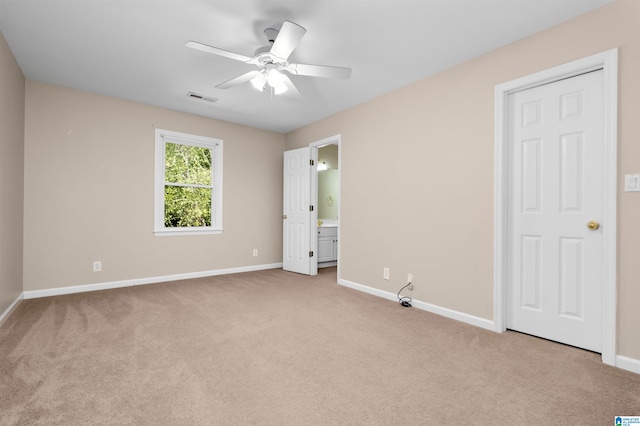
pixel 622 362
pixel 11 307
pixel 628 364
pixel 33 294
pixel 439 310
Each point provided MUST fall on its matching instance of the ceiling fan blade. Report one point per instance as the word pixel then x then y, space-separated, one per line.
pixel 238 80
pixel 217 51
pixel 288 38
pixel 319 71
pixel 292 90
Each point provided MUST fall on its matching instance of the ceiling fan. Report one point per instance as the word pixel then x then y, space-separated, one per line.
pixel 272 60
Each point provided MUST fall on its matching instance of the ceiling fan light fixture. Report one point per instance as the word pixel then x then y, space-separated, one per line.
pixel 259 81
pixel 276 80
pixel 274 77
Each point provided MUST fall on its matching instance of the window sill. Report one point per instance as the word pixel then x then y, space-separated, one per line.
pixel 174 232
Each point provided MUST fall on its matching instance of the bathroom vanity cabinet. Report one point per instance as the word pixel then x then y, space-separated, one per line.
pixel 327 244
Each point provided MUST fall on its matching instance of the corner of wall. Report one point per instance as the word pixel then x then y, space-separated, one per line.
pixel 12 127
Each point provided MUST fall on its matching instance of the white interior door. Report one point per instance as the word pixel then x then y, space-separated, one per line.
pixel 555 264
pixel 296 213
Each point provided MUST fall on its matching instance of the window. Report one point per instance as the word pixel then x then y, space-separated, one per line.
pixel 188 192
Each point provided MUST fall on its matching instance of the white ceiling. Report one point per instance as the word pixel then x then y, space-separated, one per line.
pixel 134 49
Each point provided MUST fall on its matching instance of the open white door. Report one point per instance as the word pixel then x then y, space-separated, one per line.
pixel 298 213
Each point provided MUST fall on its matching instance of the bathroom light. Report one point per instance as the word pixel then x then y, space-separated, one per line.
pixel 322 166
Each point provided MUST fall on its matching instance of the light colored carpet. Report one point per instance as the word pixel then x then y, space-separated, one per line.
pixel 277 348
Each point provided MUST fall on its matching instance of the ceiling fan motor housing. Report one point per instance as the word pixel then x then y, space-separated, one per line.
pixel 264 57
pixel 271 34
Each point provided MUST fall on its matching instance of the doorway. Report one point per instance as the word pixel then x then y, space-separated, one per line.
pixel 307 241
pixel 521 267
pixel 325 236
pixel 328 204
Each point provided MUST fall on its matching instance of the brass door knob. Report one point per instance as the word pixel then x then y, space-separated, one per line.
pixel 593 225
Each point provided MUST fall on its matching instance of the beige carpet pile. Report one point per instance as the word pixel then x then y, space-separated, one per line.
pixel 277 348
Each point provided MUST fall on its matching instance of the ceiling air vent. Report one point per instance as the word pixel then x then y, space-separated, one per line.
pixel 201 97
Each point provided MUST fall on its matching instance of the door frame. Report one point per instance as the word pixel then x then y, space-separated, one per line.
pixel 608 62
pixel 331 140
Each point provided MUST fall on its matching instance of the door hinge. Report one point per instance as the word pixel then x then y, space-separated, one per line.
pixel 310 254
pixel 310 208
pixel 311 162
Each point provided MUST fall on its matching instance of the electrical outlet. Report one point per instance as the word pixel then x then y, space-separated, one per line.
pixel 410 281
pixel 255 252
pixel 97 266
pixel 386 273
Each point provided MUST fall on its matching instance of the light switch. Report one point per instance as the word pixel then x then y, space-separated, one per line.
pixel 631 183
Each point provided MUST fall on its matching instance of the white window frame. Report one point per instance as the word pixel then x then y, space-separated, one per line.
pixel 166 136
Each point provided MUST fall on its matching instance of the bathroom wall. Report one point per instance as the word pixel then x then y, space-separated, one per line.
pixel 328 183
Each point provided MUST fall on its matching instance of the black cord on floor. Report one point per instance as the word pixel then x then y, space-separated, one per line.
pixel 404 300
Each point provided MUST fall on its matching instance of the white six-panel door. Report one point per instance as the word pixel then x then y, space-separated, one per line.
pixel 296 223
pixel 555 264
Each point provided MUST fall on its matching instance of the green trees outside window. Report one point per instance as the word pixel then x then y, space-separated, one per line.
pixel 188 188
pixel 188 184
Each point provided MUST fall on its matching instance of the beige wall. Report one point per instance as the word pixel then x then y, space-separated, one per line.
pixel 12 84
pixel 89 184
pixel 429 209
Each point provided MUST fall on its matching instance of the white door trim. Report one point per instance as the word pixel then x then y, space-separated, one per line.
pixel 608 61
pixel 331 140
